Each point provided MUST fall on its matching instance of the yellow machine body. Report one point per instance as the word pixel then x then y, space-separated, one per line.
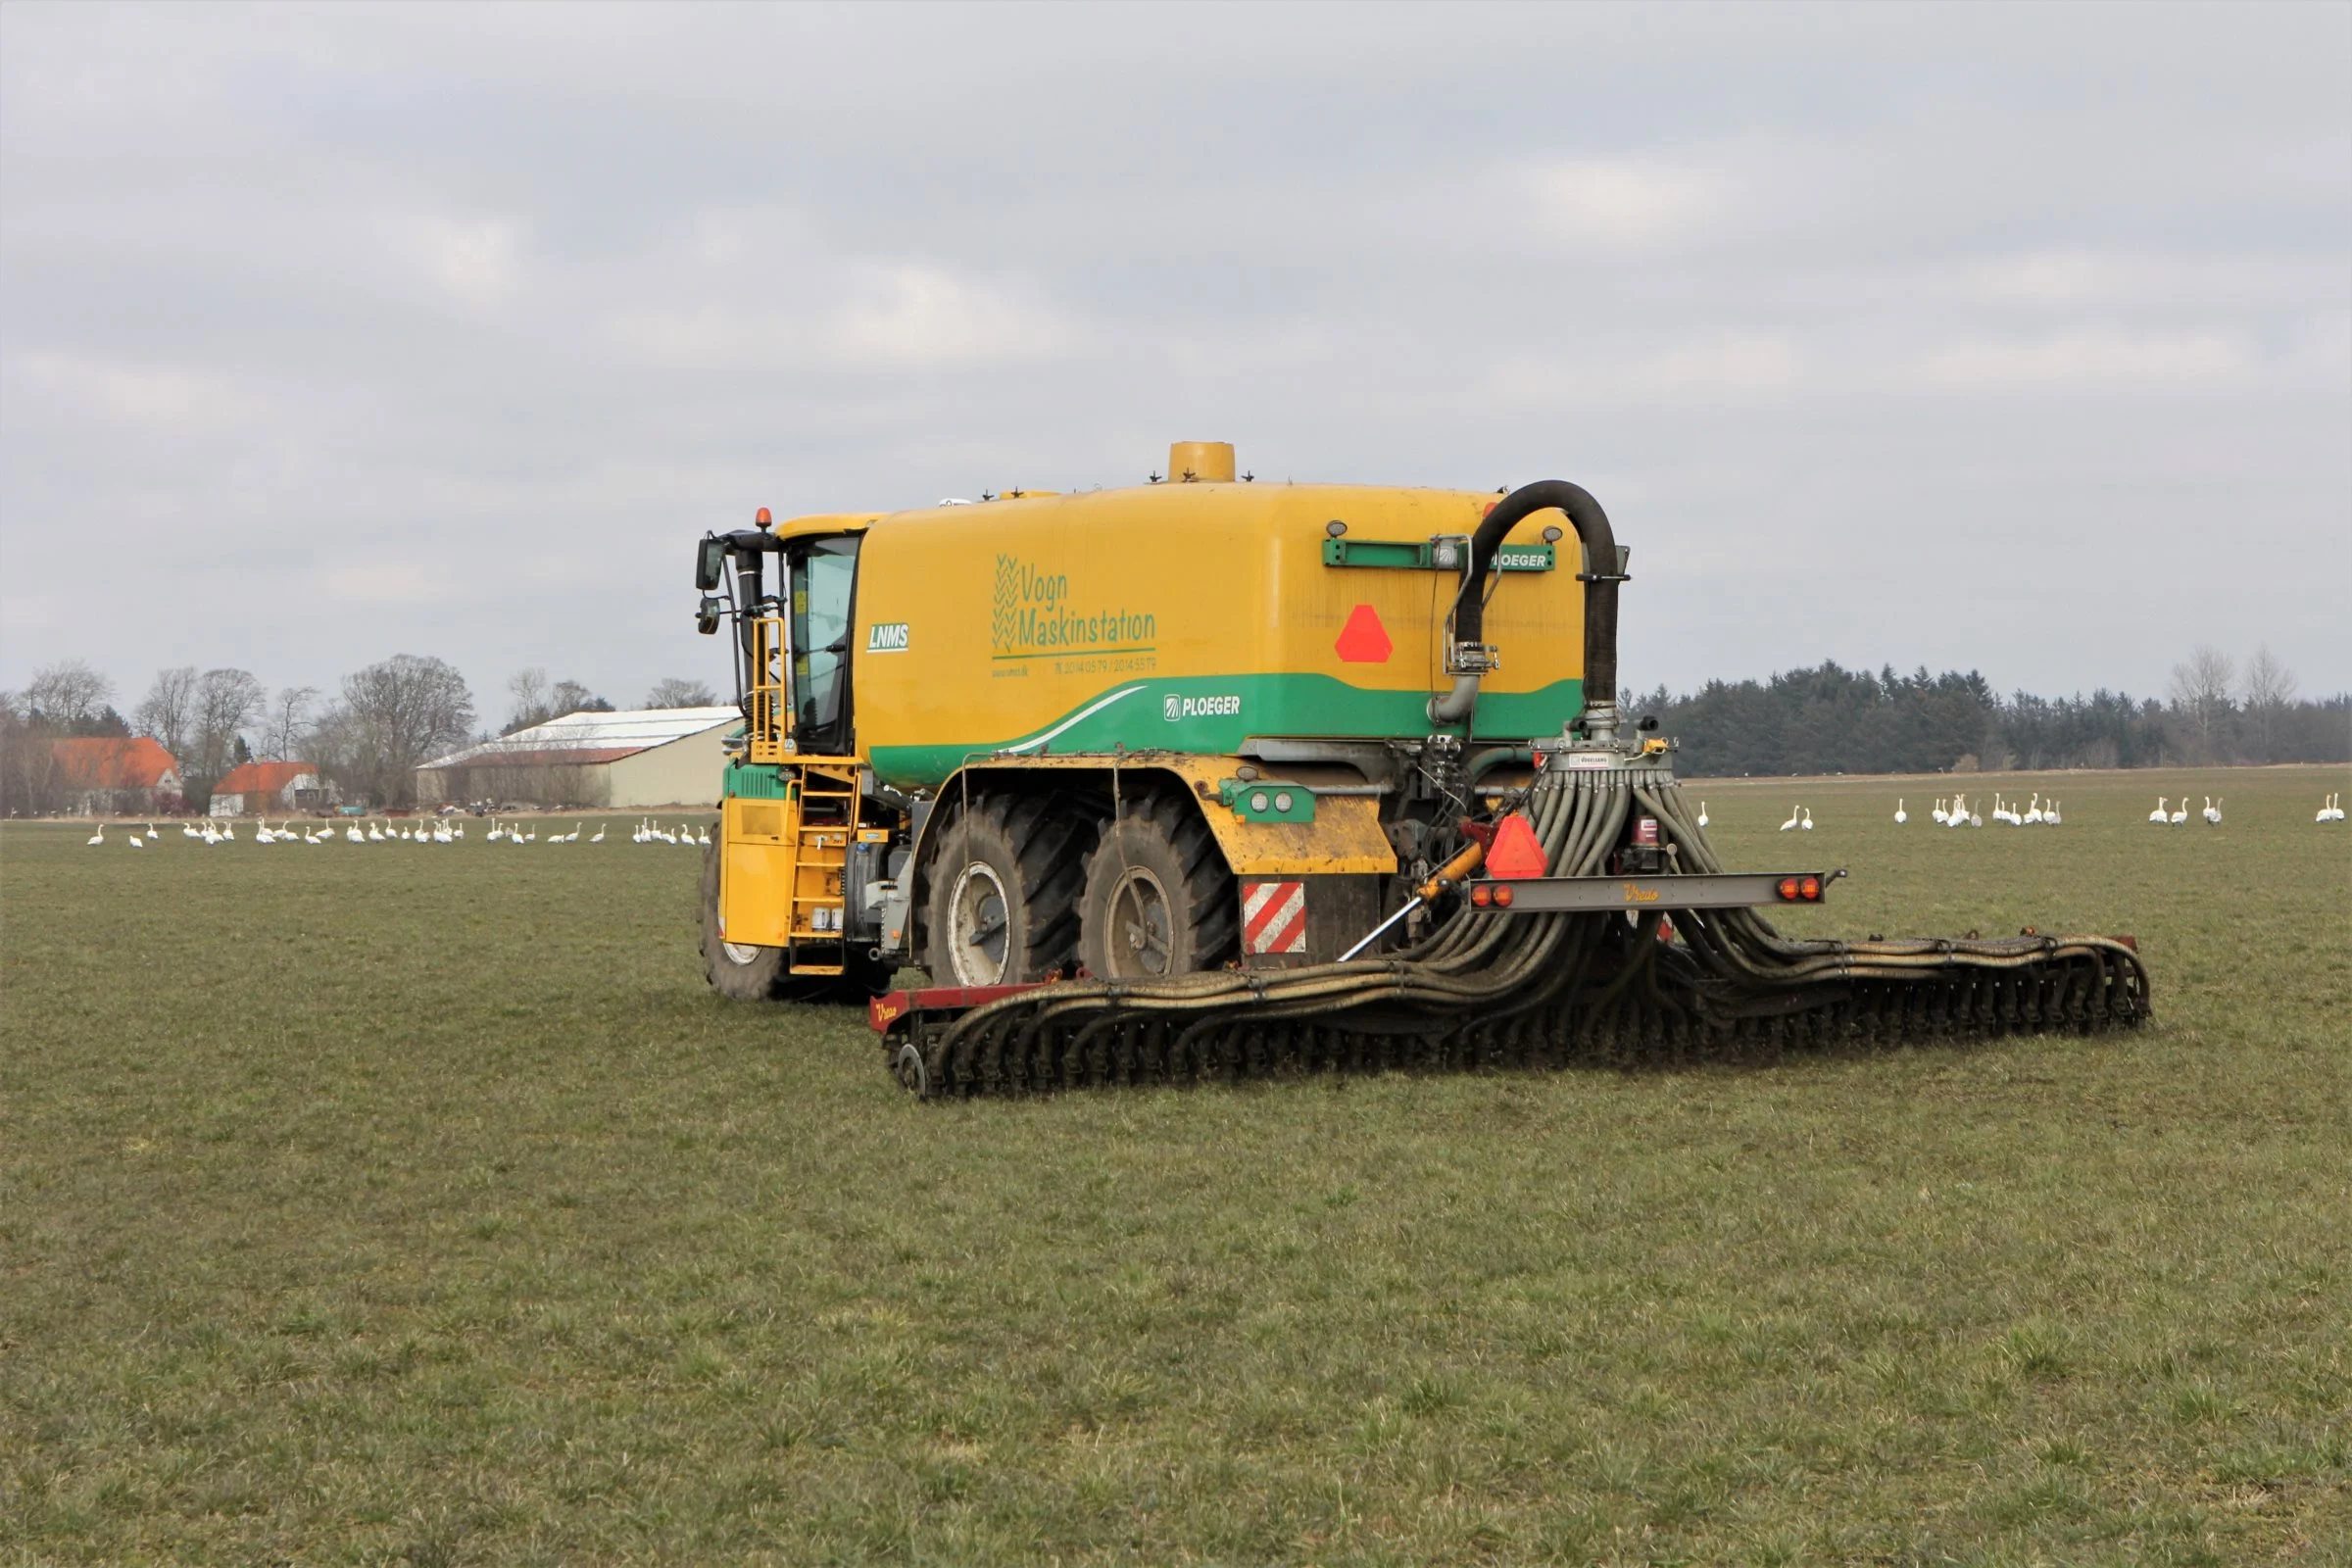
pixel 1170 629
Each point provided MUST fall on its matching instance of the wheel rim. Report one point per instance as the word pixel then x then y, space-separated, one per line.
pixel 911 1074
pixel 1142 934
pixel 739 953
pixel 978 929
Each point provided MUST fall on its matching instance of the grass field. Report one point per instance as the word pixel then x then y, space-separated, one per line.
pixel 420 1205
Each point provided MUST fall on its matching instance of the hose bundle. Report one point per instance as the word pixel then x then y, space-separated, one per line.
pixel 1488 989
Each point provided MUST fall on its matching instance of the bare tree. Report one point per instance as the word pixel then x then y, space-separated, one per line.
pixel 528 688
pixel 676 691
pixel 28 764
pixel 2268 688
pixel 169 712
pixel 571 697
pixel 226 702
pixel 68 694
pixel 536 702
pixel 393 716
pixel 288 721
pixel 2200 689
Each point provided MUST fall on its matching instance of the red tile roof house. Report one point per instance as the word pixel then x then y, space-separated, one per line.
pixel 262 789
pixel 113 775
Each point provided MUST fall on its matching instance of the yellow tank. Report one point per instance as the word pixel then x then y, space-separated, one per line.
pixel 1192 618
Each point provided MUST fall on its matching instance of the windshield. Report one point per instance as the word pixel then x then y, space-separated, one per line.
pixel 821 579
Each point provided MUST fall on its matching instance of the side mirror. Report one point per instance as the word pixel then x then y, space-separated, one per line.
pixel 709 560
pixel 706 615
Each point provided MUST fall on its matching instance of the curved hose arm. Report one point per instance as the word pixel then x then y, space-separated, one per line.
pixel 1592 525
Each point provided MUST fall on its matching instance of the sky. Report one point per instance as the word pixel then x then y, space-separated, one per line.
pixel 2007 338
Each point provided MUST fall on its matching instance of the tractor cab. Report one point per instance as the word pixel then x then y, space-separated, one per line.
pixel 793 616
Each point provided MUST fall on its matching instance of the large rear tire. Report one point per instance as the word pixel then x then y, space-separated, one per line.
pixel 1001 906
pixel 1158 898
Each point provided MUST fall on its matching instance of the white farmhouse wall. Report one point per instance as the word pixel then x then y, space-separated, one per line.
pixel 684 772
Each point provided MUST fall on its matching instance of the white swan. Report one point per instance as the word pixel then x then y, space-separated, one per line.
pixel 1794 811
pixel 599 834
pixel 2213 813
pixel 2182 815
pixel 1703 813
pixel 151 832
pixel 1807 823
pixel 1900 815
pixel 98 837
pixel 2158 815
pixel 138 843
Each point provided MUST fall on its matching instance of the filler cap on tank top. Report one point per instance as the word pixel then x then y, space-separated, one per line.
pixel 1201 462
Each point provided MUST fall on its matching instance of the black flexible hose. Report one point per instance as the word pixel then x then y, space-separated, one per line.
pixel 1600 579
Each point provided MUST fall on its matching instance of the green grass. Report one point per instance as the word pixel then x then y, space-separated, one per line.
pixel 420 1205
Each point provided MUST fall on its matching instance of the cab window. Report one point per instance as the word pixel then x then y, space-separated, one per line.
pixel 823 575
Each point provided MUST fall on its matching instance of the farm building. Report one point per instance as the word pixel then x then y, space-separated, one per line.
pixel 262 788
pixel 113 775
pixel 646 756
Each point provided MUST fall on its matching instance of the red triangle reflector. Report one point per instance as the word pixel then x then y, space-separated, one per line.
pixel 1515 854
pixel 1363 640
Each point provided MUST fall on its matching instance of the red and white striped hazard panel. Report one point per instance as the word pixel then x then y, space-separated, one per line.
pixel 1274 917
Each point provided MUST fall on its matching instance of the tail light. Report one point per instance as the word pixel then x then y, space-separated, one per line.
pixel 1503 897
pixel 1810 889
pixel 1481 896
pixel 1788 887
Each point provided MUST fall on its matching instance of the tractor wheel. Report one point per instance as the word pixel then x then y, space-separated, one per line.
pixel 1159 898
pixel 745 973
pixel 736 971
pixel 1003 896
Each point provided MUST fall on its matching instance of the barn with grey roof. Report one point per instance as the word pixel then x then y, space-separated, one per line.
pixel 641 757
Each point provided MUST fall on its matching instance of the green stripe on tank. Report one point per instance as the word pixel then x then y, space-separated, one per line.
pixel 1213 714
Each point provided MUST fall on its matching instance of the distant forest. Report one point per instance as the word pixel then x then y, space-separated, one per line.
pixel 1835 720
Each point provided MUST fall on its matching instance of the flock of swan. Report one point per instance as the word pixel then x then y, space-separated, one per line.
pixel 1953 813
pixel 2212 812
pixel 438 830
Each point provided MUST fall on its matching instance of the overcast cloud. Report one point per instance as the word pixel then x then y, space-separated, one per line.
pixel 2017 338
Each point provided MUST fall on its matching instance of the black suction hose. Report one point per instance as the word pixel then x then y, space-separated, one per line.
pixel 1600 582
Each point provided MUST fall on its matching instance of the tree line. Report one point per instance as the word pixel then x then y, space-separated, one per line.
pixel 366 738
pixel 1831 719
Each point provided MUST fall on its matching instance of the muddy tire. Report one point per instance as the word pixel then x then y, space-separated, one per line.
pixel 744 974
pixel 1158 898
pixel 1000 905
pixel 736 971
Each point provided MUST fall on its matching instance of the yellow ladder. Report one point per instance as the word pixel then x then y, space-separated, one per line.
pixel 825 826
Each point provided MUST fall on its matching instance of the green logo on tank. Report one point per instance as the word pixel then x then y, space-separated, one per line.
pixel 1034 614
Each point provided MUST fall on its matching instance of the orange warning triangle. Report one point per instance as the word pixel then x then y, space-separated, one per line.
pixel 1515 854
pixel 1363 640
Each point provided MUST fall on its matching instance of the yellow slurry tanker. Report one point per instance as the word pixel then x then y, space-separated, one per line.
pixel 1208 778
